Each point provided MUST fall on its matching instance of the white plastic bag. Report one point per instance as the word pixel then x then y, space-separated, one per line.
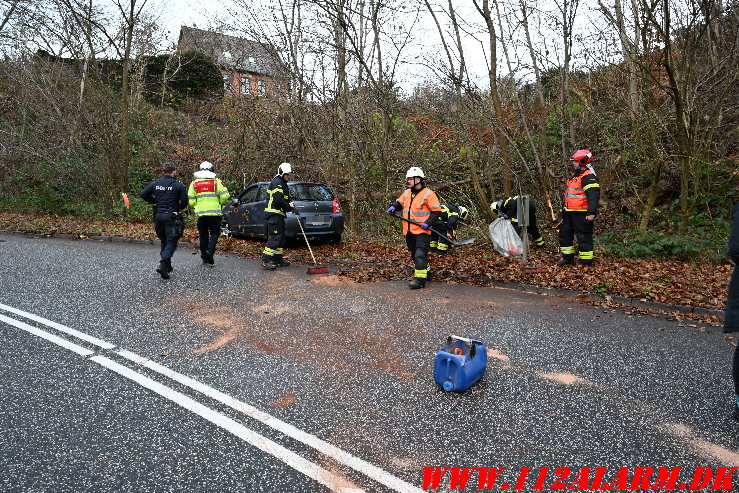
pixel 504 237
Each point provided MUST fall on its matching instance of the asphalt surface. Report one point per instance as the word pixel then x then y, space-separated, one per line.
pixel 344 371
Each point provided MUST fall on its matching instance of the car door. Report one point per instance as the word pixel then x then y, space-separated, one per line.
pixel 256 226
pixel 239 215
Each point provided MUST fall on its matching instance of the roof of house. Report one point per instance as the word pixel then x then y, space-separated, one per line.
pixel 230 52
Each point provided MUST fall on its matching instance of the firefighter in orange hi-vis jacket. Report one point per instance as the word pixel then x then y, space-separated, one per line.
pixel 580 207
pixel 420 207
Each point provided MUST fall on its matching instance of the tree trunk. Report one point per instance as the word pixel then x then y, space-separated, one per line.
pixel 499 139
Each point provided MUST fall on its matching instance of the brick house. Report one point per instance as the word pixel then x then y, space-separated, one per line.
pixel 248 67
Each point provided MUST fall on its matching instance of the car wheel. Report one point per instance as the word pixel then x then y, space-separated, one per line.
pixel 225 228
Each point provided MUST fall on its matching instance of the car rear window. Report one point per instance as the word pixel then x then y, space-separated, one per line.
pixel 310 191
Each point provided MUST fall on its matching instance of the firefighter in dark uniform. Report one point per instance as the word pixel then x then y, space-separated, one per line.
pixel 447 223
pixel 278 205
pixel 169 197
pixel 507 207
pixel 579 211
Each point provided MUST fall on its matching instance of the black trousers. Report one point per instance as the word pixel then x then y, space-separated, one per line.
pixel 418 246
pixel 168 231
pixel 736 371
pixel 276 239
pixel 575 225
pixel 209 229
pixel 441 227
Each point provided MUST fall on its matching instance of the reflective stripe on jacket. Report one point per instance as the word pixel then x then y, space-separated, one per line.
pixel 278 201
pixel 576 197
pixel 418 208
pixel 207 195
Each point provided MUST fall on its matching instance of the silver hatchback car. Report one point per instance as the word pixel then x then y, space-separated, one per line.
pixel 320 212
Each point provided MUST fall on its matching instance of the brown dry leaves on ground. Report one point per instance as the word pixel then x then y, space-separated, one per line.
pixel 662 280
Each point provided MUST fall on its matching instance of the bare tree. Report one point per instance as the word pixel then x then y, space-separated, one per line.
pixel 499 137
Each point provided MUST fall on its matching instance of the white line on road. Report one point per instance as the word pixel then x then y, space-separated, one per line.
pixel 373 472
pixel 313 441
pixel 61 328
pixel 45 335
pixel 333 481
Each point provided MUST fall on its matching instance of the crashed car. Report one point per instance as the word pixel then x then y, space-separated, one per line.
pixel 320 212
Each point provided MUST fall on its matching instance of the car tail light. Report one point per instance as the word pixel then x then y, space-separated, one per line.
pixel 337 206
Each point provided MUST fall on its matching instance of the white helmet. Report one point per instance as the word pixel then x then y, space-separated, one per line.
pixel 463 213
pixel 414 171
pixel 205 165
pixel 284 168
pixel 494 206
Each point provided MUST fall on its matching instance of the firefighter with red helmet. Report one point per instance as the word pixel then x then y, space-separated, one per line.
pixel 580 208
pixel 420 207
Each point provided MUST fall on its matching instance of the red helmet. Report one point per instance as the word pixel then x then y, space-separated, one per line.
pixel 583 156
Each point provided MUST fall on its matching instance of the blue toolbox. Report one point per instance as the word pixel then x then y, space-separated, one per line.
pixel 460 363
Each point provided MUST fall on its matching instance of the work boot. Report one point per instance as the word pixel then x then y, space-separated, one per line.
pixel 565 261
pixel 584 263
pixel 268 265
pixel 169 266
pixel 282 263
pixel 417 283
pixel 210 258
pixel 164 269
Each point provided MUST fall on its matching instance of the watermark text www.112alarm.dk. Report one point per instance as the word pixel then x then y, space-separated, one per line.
pixel 580 478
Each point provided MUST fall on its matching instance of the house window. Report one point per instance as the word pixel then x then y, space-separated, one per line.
pixel 262 88
pixel 245 85
pixel 227 82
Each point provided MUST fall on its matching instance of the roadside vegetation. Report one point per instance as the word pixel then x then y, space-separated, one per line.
pixel 91 108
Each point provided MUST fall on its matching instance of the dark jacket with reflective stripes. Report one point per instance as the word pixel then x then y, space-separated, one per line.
pixel 166 193
pixel 278 200
pixel 450 215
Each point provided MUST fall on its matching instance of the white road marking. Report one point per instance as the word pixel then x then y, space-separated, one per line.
pixel 61 328
pixel 49 337
pixel 373 472
pixel 313 471
pixel 313 441
pixel 317 473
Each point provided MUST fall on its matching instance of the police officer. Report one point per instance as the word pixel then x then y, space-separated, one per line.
pixel 507 207
pixel 207 194
pixel 579 210
pixel 447 223
pixel 420 207
pixel 169 197
pixel 278 205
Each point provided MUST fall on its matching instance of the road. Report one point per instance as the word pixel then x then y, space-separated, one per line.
pixel 231 378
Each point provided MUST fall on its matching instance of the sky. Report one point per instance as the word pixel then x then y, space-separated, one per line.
pixel 200 14
pixel 176 13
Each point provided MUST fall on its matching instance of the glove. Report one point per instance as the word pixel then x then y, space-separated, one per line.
pixel 425 226
pixel 557 221
pixel 295 209
pixel 390 209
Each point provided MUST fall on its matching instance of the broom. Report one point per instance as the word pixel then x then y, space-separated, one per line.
pixel 316 269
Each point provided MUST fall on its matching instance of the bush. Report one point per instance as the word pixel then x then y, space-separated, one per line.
pixel 634 244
